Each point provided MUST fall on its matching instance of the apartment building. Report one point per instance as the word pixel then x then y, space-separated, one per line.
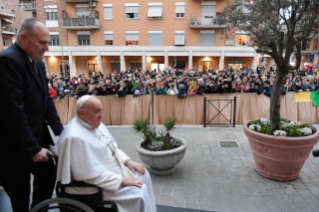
pixel 7 16
pixel 310 48
pixel 116 35
pixel 11 16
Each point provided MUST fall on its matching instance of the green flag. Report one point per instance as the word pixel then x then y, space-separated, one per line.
pixel 315 98
pixel 135 84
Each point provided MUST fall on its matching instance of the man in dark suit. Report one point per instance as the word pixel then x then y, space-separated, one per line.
pixel 25 109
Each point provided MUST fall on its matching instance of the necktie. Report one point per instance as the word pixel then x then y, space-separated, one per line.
pixel 34 66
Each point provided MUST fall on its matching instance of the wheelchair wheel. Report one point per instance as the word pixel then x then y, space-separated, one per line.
pixel 61 205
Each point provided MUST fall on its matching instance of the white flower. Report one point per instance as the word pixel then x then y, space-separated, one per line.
pixel 264 121
pixel 280 133
pixel 255 127
pixel 291 124
pixel 306 131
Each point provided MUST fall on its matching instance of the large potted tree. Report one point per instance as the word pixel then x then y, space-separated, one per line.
pixel 160 151
pixel 276 28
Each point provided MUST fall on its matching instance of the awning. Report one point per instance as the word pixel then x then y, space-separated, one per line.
pixel 7 20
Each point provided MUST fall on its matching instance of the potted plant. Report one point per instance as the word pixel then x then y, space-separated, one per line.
pixel 160 150
pixel 279 37
pixel 280 155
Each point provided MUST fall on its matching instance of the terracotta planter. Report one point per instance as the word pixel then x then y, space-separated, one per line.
pixel 280 158
pixel 162 162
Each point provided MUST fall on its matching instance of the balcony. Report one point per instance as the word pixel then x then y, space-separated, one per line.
pixel 206 22
pixel 6 9
pixel 91 22
pixel 29 6
pixel 8 30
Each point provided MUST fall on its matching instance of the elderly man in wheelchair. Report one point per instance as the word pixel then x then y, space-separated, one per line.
pixel 93 170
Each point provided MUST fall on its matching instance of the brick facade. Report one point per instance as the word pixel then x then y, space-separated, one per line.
pixel 40 13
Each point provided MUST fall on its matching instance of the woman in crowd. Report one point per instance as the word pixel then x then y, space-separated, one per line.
pixel 52 91
pixel 192 89
pixel 160 89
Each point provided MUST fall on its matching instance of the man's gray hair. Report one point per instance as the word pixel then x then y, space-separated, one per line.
pixel 27 26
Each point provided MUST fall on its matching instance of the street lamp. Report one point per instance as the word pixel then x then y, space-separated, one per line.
pixel 61 43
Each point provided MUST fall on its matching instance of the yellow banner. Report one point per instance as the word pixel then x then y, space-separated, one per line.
pixel 302 97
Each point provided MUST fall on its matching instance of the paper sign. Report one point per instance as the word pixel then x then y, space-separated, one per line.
pixel 302 96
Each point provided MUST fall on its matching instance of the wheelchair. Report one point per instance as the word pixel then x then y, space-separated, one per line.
pixel 66 202
pixel 76 202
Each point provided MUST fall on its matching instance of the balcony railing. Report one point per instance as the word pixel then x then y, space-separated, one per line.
pixel 206 22
pixel 6 9
pixel 91 22
pixel 8 30
pixel 28 5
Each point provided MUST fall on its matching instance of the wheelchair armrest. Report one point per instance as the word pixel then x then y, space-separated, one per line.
pixel 78 184
pixel 93 200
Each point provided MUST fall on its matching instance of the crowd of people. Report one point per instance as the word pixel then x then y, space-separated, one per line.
pixel 183 83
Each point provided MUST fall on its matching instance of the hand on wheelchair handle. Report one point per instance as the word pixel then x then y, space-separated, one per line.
pixel 41 156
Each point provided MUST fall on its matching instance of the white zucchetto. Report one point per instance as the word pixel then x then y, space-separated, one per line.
pixel 81 102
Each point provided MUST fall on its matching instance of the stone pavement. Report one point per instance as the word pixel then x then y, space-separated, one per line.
pixel 224 179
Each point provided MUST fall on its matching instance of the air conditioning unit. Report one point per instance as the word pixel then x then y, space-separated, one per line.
pixel 93 4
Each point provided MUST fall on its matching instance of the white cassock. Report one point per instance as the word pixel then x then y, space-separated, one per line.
pixel 91 155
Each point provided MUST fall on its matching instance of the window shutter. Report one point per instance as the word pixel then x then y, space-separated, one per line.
pixel 155 11
pixel 180 9
pixel 50 10
pixel 155 39
pixel 207 39
pixel 108 13
pixel 108 37
pixel 208 10
pixel 84 37
pixel 134 36
pixel 179 39
pixel 131 9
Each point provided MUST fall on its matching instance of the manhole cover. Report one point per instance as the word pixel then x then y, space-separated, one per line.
pixel 228 144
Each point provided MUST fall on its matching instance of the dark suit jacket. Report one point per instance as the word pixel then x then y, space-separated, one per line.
pixel 25 107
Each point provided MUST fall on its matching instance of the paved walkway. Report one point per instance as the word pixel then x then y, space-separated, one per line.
pixel 224 179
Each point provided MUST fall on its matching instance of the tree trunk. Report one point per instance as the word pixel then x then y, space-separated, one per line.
pixel 275 100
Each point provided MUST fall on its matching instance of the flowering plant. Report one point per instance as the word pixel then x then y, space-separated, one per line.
pixel 288 128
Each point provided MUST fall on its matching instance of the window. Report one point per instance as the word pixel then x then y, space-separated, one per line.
pixel 179 38
pixel 242 38
pixel 5 42
pixel 207 38
pixel 155 38
pixel 155 10
pixel 108 37
pixel 108 11
pixel 208 12
pixel 51 14
pixel 82 10
pixel 131 10
pixel 204 65
pixel 83 38
pixel 132 38
pixel 305 45
pixel 180 10
pixel 54 40
pixel 66 72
